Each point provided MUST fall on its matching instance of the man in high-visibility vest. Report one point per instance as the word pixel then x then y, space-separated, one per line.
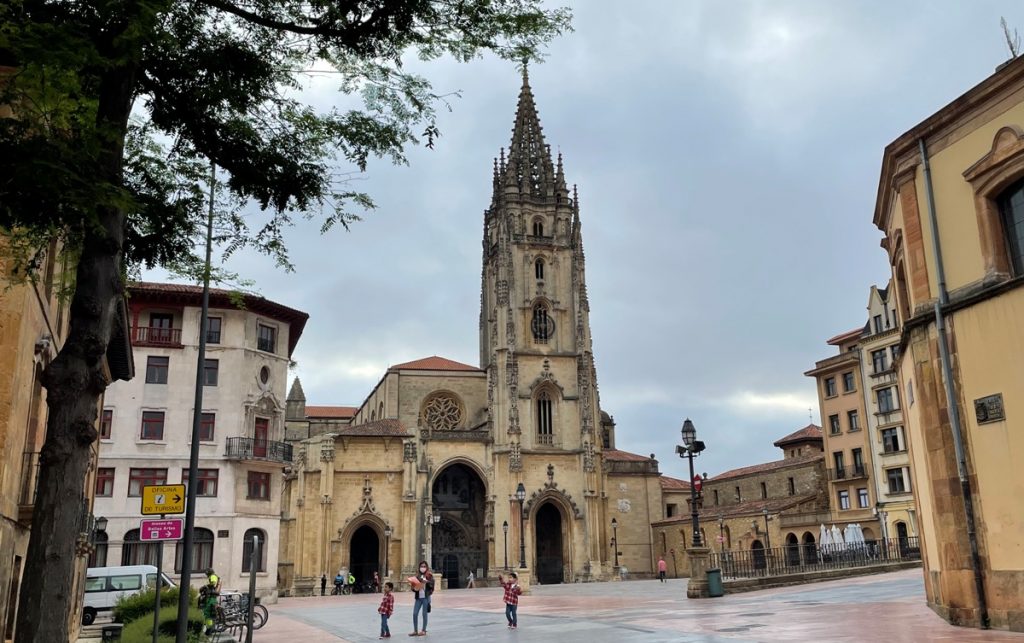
pixel 208 597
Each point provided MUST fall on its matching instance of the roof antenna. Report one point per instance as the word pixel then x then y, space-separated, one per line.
pixel 810 415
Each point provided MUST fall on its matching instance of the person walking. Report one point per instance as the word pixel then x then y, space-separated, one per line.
pixel 512 593
pixel 376 582
pixel 470 581
pixel 386 609
pixel 323 584
pixel 662 568
pixel 423 588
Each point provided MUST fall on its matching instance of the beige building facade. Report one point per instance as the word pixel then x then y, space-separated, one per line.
pixel 428 466
pixel 951 206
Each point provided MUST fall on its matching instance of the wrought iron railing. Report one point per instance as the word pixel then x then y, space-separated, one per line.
pixel 155 336
pixel 796 558
pixel 258 449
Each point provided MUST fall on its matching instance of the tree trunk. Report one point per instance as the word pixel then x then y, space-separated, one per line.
pixel 74 382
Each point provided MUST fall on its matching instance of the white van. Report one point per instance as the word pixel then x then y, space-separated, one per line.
pixel 104 585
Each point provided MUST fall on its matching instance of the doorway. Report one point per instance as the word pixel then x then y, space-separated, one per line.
pixel 364 554
pixel 260 431
pixel 548 532
pixel 459 545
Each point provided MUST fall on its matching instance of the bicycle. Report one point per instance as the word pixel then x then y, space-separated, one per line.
pixel 232 610
pixel 341 589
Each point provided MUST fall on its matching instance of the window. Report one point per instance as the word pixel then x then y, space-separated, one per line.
pixel 134 552
pixel 543 326
pixel 156 369
pixel 206 482
pixel 792 487
pixel 897 481
pixel 544 424
pixel 160 328
pixel 848 385
pixel 739 496
pixel 862 498
pixel 764 490
pixel 879 360
pixel 715 492
pixel 98 558
pixel 266 338
pixel 891 440
pixel 538 227
pixel 202 551
pixel 895 354
pixel 1011 209
pixel 878 323
pixel 671 510
pixel 830 387
pixel 212 333
pixel 106 423
pixel 886 403
pixel 261 550
pixel 844 499
pixel 837 459
pixel 139 478
pixel 207 424
pixel 152 425
pixel 538 269
pixel 858 461
pixel 854 420
pixel 259 486
pixel 104 482
pixel 833 425
pixel 210 369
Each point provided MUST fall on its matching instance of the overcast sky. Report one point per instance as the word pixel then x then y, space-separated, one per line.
pixel 727 156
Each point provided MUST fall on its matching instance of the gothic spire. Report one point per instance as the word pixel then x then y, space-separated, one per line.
pixel 529 158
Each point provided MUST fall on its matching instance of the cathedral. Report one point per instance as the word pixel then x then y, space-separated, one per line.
pixel 509 464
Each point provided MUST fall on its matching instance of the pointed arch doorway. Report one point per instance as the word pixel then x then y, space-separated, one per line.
pixel 365 554
pixel 549 544
pixel 458 539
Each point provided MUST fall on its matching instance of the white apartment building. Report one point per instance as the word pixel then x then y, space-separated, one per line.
pixel 888 441
pixel 147 423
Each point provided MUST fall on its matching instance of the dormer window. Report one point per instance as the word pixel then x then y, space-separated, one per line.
pixel 538 269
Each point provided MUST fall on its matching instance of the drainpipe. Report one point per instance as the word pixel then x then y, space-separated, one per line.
pixel 951 400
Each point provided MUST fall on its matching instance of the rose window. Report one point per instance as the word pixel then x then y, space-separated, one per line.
pixel 442 413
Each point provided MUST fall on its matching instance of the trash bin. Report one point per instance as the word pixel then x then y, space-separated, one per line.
pixel 715 588
pixel 111 632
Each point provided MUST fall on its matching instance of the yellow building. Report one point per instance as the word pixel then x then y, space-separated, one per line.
pixel 848 454
pixel 951 206
pixel 33 327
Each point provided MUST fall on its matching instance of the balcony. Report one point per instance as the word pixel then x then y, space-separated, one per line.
pixel 848 473
pixel 155 336
pixel 259 450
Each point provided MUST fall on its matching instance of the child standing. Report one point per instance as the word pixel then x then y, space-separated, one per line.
pixel 512 592
pixel 387 607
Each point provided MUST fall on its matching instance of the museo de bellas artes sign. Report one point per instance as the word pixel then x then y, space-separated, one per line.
pixel 161 529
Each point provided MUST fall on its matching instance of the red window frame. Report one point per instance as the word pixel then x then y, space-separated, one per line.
pixel 139 478
pixel 104 482
pixel 152 425
pixel 106 423
pixel 258 485
pixel 207 481
pixel 207 426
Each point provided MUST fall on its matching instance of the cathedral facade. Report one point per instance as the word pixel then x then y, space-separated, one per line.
pixel 429 465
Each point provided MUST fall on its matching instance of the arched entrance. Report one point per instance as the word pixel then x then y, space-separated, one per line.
pixel 548 545
pixel 457 540
pixel 792 550
pixel 364 554
pixel 757 549
pixel 810 550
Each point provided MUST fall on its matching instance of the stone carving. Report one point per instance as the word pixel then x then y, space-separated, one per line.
pixel 551 489
pixel 409 451
pixel 327 451
pixel 624 505
pixel 588 456
pixel 502 292
pixel 515 458
pixel 442 412
pixel 551 474
pixel 623 486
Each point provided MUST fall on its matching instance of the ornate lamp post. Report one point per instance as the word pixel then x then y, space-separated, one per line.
pixel 690 449
pixel 504 528
pixel 615 540
pixel 521 497
pixel 387 551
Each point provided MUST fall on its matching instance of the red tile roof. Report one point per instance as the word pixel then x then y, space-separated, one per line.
pixel 848 335
pixel 809 432
pixel 387 427
pixel 331 411
pixel 768 466
pixel 434 363
pixel 141 292
pixel 669 483
pixel 748 508
pixel 624 456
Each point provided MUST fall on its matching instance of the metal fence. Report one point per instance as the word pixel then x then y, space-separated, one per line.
pixel 796 558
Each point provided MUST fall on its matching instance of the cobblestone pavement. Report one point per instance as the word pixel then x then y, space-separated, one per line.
pixel 887 607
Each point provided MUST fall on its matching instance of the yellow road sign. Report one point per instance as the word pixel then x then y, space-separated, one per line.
pixel 158 500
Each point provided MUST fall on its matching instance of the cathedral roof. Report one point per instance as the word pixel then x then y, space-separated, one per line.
pixel 331 411
pixel 809 432
pixel 624 456
pixel 668 483
pixel 386 427
pixel 434 363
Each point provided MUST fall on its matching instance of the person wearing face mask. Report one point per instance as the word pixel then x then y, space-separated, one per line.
pixel 423 589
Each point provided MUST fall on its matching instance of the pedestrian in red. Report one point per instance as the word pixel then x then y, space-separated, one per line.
pixel 386 609
pixel 662 568
pixel 512 593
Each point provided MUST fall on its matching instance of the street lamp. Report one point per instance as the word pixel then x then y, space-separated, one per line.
pixel 615 540
pixel 387 550
pixel 767 536
pixel 504 528
pixel 101 524
pixel 521 497
pixel 691 448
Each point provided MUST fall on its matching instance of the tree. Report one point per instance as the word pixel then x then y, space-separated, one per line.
pixel 119 107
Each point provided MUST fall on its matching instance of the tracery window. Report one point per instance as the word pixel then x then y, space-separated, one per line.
pixel 442 412
pixel 545 426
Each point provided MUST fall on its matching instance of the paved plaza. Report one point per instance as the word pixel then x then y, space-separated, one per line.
pixel 887 607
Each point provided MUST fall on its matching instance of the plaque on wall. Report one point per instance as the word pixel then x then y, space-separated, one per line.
pixel 989 409
pixel 222 533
